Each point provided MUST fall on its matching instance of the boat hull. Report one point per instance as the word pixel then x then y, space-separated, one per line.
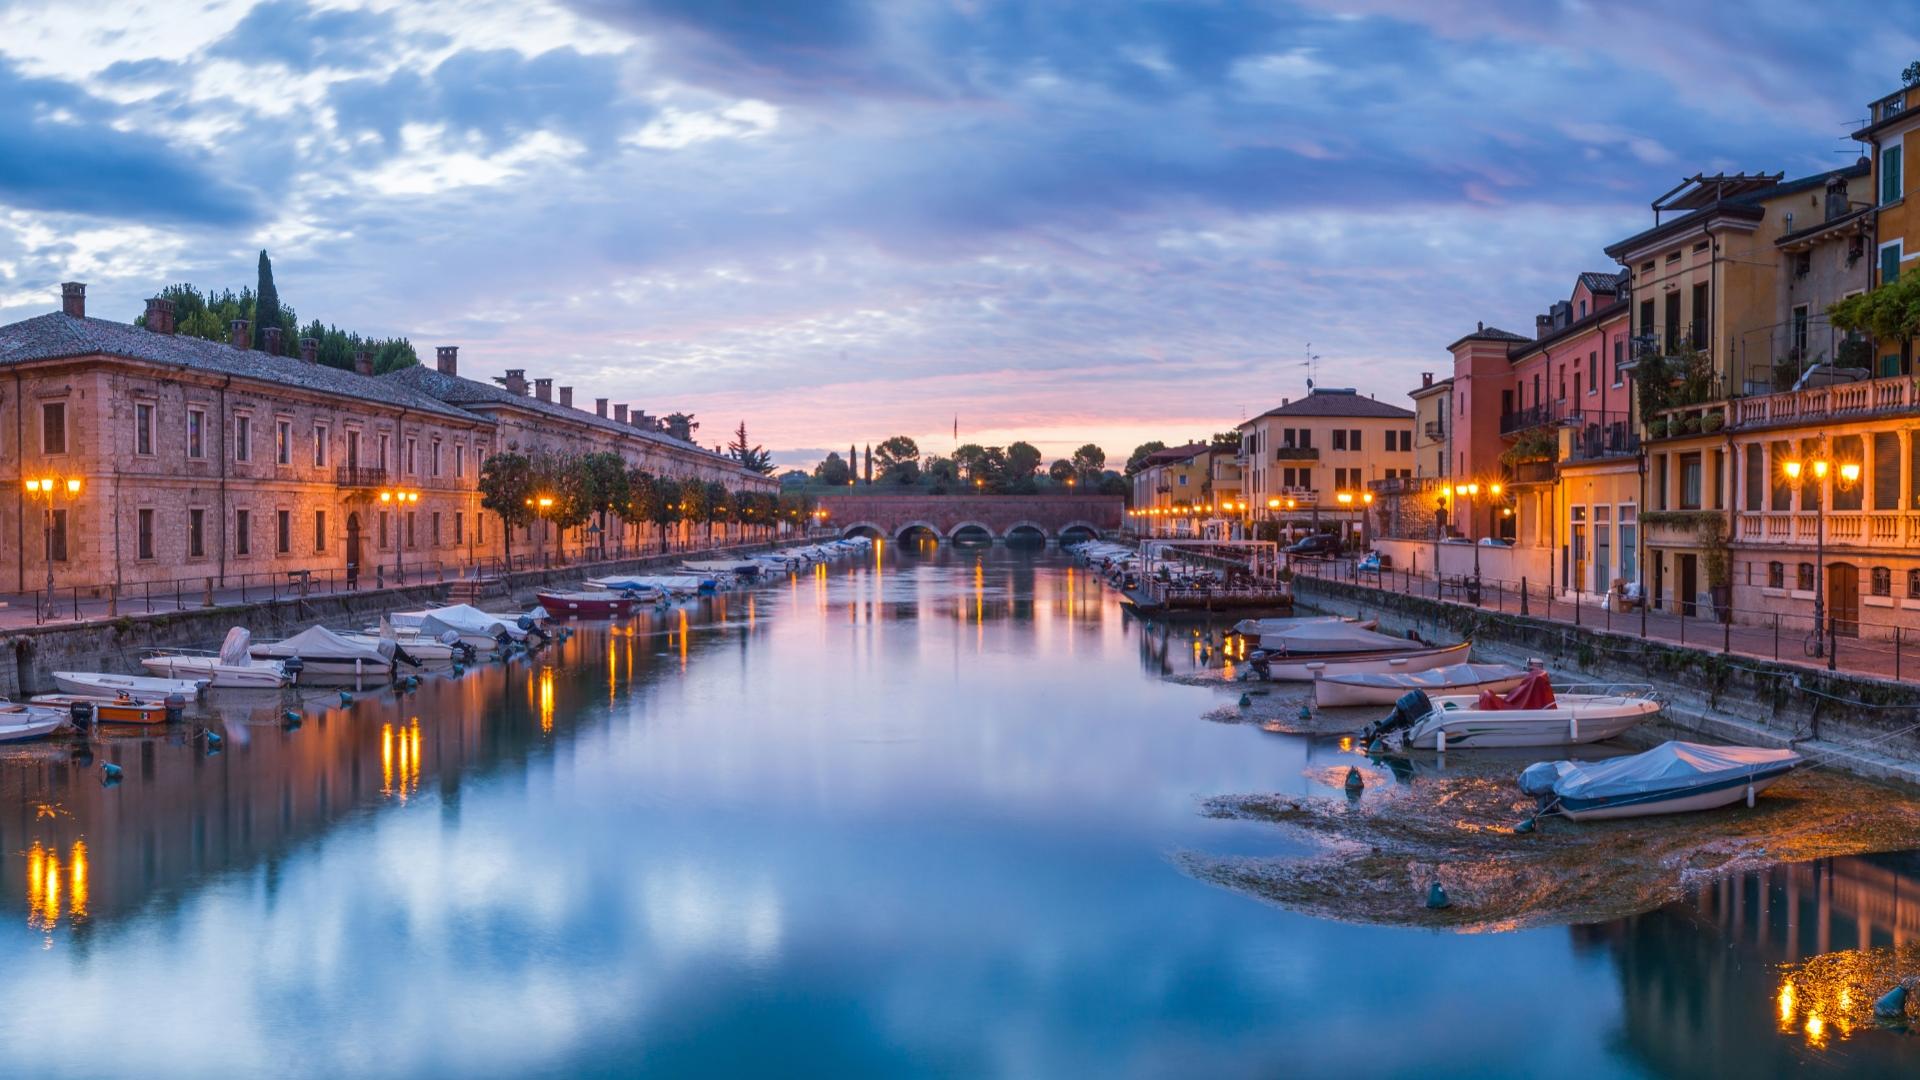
pixel 1331 693
pixel 1708 797
pixel 107 710
pixel 141 688
pixel 19 723
pixel 219 676
pixel 1307 668
pixel 333 671
pixel 1565 725
pixel 573 605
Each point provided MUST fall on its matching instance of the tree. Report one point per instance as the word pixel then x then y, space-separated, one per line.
pixel 1139 457
pixel 868 478
pixel 679 425
pixel 506 488
pixel 643 498
pixel 833 472
pixel 694 507
pixel 666 506
pixel 563 481
pixel 1911 74
pixel 266 305
pixel 793 478
pixel 1023 460
pixel 1112 483
pixel 1088 461
pixel 1889 313
pixel 1226 440
pixel 970 459
pixel 749 455
pixel 899 460
pixel 1060 471
pixel 719 506
pixel 604 476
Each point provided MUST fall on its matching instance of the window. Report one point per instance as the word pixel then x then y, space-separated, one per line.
pixel 53 427
pixel 1809 484
pixel 243 438
pixel 1339 438
pixel 1782 489
pixel 1583 309
pixel 412 539
pixel 1913 584
pixel 1850 449
pixel 412 466
pixel 1776 575
pixel 382 447
pixel 1690 476
pixel 1593 372
pixel 196 433
pixel 1803 579
pixel 1891 180
pixel 1629 526
pixel 1890 262
pixel 460 467
pixel 1719 479
pixel 142 428
pixel 383 528
pixel 283 531
pixel 1353 439
pixel 1755 484
pixel 196 533
pixel 480 528
pixel 243 532
pixel 1660 481
pixel 353 449
pixel 1306 438
pixel 433 457
pixel 1697 334
pixel 1886 470
pixel 58 540
pixel 1882 581
pixel 319 446
pixel 459 527
pixel 143 530
pixel 1619 358
pixel 283 442
pixel 434 528
pixel 1797 341
pixel 319 532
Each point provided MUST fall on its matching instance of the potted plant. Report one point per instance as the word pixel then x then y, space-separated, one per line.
pixel 1713 422
pixel 1692 425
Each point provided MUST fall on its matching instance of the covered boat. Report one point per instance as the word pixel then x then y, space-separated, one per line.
pixel 139 687
pixel 1531 714
pixel 1410 656
pixel 329 657
pixel 230 668
pixel 1386 687
pixel 18 722
pixel 1326 637
pixel 1671 778
pixel 1255 628
pixel 479 629
pixel 670 584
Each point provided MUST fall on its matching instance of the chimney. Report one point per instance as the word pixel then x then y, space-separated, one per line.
pixel 73 299
pixel 309 350
pixel 600 406
pixel 272 335
pixel 620 413
pixel 642 421
pixel 515 381
pixel 566 397
pixel 1542 326
pixel 446 358
pixel 1426 379
pixel 160 315
pixel 363 362
pixel 242 338
pixel 543 389
pixel 1837 205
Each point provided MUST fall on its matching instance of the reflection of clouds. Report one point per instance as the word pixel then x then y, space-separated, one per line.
pixel 688 909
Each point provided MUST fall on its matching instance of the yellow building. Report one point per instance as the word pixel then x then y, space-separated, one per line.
pixel 1892 136
pixel 1299 459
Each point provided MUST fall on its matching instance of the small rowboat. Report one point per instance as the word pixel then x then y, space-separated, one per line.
pixel 598 604
pixel 1386 687
pixel 139 687
pixel 18 722
pixel 1671 778
pixel 110 710
pixel 1283 668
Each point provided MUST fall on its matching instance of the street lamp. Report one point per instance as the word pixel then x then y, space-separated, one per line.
pixel 398 498
pixel 46 488
pixel 1366 520
pixel 1345 499
pixel 1849 474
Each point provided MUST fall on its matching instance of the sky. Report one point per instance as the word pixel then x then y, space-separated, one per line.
pixel 839 221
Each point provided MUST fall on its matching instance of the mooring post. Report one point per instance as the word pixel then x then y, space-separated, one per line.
pixel 1523 596
pixel 1833 642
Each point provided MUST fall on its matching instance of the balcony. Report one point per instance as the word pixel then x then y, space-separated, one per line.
pixel 1819 405
pixel 1530 417
pixel 1689 421
pixel 1887 529
pixel 1405 485
pixel 1530 472
pixel 1436 431
pixel 360 476
pixel 1603 435
pixel 1296 453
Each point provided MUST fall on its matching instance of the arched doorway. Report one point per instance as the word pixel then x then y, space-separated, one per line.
pixel 353 550
pixel 1843 598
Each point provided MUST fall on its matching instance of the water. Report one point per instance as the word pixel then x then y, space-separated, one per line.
pixel 914 816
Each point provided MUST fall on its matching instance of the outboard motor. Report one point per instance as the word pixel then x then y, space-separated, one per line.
pixel 1261 665
pixel 1538 779
pixel 293 666
pixel 176 708
pixel 1413 707
pixel 80 713
pixel 525 622
pixel 402 656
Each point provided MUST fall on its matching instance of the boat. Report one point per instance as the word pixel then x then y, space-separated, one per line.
pixel 327 657
pixel 19 722
pixel 140 687
pixel 1672 778
pixel 1330 637
pixel 110 710
pixel 591 604
pixel 1279 667
pixel 1531 714
pixel 1386 687
pixel 432 642
pixel 482 630
pixel 737 567
pixel 230 668
pixel 1254 628
pixel 668 584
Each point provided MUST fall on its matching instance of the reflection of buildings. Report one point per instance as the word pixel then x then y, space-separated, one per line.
pixel 1701 979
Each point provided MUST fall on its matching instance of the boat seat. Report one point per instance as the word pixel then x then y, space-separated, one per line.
pixel 1534 692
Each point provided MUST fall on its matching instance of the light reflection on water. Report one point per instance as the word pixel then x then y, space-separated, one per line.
pixel 903 816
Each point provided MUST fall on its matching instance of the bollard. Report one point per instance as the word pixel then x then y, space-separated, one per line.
pixel 1523 596
pixel 1437 896
pixel 1355 784
pixel 208 601
pixel 1833 642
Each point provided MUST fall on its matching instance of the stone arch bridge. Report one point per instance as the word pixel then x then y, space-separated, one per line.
pixel 950 517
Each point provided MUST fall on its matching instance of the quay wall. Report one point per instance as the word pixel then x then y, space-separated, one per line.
pixel 30 654
pixel 1735 698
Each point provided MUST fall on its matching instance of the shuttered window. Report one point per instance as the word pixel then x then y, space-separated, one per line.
pixel 1886 470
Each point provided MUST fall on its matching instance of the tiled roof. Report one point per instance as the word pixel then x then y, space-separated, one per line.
pixel 1601 281
pixel 1173 453
pixel 1340 403
pixel 1746 205
pixel 1488 333
pixel 459 390
pixel 59 336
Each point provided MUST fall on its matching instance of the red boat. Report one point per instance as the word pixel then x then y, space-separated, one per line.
pixel 592 604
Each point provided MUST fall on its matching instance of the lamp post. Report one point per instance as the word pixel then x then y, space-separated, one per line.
pixel 1849 473
pixel 1345 499
pixel 46 488
pixel 397 498
pixel 1366 520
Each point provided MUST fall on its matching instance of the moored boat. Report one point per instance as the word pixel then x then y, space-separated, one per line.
pixel 119 709
pixel 1672 778
pixel 140 687
pixel 1281 667
pixel 20 722
pixel 594 604
pixel 330 658
pixel 230 668
pixel 1531 714
pixel 1386 687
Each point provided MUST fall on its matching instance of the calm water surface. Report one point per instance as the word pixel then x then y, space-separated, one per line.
pixel 911 816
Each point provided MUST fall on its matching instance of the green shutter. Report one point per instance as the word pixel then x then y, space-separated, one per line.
pixel 1889 264
pixel 1890 178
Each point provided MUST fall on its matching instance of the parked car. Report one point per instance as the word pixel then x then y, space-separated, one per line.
pixel 1317 544
pixel 1494 541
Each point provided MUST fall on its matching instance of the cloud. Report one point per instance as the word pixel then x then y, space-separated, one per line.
pixel 498 95
pixel 303 38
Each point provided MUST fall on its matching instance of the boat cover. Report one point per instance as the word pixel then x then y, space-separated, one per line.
pixel 1315 638
pixel 1671 766
pixel 463 618
pixel 320 643
pixel 1441 679
pixel 1534 692
pixel 233 651
pixel 1257 627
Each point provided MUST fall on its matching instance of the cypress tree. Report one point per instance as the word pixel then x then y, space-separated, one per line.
pixel 266 304
pixel 853 463
pixel 868 477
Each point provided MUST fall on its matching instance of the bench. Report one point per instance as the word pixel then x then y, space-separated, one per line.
pixel 301 578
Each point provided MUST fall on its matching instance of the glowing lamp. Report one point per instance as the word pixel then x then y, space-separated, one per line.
pixel 1792 469
pixel 1820 468
pixel 1273 504
pixel 1850 472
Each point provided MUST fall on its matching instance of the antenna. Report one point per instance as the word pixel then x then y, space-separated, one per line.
pixel 1312 363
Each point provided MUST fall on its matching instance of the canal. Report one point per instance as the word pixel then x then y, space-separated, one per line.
pixel 922 814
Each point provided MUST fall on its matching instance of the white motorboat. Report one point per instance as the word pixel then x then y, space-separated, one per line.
pixel 1255 628
pixel 1386 687
pixel 230 668
pixel 1671 778
pixel 18 722
pixel 668 584
pixel 432 642
pixel 1279 667
pixel 139 687
pixel 1532 714
pixel 737 567
pixel 478 629
pixel 330 658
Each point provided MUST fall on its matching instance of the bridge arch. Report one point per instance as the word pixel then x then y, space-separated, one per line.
pixel 901 532
pixel 1026 528
pixel 954 532
pixel 1074 531
pixel 863 528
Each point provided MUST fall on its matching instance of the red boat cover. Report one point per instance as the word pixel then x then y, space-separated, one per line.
pixel 1534 692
